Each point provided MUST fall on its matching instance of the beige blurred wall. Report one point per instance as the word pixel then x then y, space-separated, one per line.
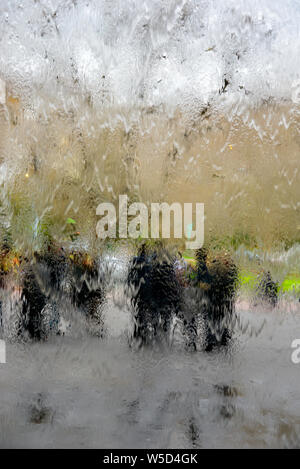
pixel 244 164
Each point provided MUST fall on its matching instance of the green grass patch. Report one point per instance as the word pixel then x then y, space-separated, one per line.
pixel 291 284
pixel 248 279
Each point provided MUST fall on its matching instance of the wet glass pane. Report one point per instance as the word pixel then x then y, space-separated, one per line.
pixel 149 224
